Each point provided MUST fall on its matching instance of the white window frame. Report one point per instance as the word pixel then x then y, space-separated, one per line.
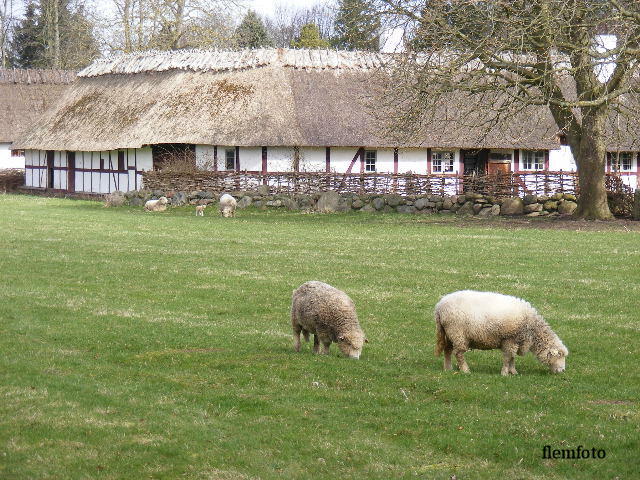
pixel 530 160
pixel 442 162
pixel 227 157
pixel 370 160
pixel 617 165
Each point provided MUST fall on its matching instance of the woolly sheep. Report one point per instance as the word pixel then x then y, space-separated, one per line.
pixel 330 315
pixel 159 205
pixel 227 205
pixel 485 320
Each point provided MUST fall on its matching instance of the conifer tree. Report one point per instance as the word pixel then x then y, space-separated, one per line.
pixel 356 28
pixel 310 38
pixel 251 32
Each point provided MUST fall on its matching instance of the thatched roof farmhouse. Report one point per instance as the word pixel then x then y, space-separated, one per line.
pixel 258 110
pixel 24 95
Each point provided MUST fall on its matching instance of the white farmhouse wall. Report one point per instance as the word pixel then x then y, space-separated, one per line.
pixel 341 158
pixel 205 157
pixel 6 160
pixel 561 159
pixel 384 160
pixel 312 159
pixel 412 160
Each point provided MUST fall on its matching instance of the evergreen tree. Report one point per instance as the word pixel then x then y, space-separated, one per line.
pixel 356 27
pixel 26 44
pixel 310 38
pixel 251 32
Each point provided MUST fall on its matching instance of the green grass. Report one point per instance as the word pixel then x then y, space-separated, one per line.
pixel 138 345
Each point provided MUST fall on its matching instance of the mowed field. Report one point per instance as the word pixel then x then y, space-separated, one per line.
pixel 138 345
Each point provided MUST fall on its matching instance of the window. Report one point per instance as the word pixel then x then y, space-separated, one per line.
pixel 121 166
pixel 17 153
pixel 621 161
pixel 230 159
pixel 532 160
pixel 370 161
pixel 442 162
pixel 499 157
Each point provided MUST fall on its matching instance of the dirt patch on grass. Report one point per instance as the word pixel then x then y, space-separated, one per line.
pixel 562 223
pixel 611 402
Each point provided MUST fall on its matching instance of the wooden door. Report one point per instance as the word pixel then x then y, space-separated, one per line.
pixel 499 167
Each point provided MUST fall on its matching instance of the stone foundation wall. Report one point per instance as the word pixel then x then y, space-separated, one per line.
pixel 327 202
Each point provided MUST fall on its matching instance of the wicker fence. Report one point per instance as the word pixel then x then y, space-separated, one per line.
pixel 502 185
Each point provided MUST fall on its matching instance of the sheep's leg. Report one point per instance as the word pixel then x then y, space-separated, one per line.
pixel 316 344
pixel 447 357
pixel 325 347
pixel 305 333
pixel 508 359
pixel 462 364
pixel 296 337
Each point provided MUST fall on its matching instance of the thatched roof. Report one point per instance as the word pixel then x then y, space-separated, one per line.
pixel 267 97
pixel 25 94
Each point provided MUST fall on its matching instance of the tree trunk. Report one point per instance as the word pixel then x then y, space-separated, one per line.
pixel 591 161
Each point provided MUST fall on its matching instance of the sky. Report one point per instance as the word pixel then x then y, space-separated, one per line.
pixel 266 7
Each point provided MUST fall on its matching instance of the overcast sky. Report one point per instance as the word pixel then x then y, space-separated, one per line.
pixel 266 7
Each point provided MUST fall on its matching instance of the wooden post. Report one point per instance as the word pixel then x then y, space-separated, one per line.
pixel 429 160
pixel 264 160
pixel 237 159
pixel 327 160
pixel 546 160
pixel 516 160
pixel 395 161
pixel 215 158
pixel 361 151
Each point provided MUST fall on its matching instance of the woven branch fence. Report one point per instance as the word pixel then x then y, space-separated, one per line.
pixel 501 185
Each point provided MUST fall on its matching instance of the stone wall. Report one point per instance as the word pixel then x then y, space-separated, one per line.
pixel 327 202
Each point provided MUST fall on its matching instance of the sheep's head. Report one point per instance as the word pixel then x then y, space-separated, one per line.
pixel 555 357
pixel 227 212
pixel 163 200
pixel 351 343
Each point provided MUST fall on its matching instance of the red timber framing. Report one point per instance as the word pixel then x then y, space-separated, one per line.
pixel 429 160
pixel 51 156
pixel 327 160
pixel 359 154
pixel 264 159
pixel 546 160
pixel 237 159
pixel 516 160
pixel 71 172
pixel 215 158
pixel 638 170
pixel 395 160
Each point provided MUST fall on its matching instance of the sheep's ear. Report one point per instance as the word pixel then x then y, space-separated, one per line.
pixel 366 340
pixel 341 338
pixel 554 352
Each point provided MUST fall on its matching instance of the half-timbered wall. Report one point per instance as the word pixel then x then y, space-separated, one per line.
pixel 87 172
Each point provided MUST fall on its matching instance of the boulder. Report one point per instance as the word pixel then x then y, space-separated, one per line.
pixel 570 196
pixel 474 196
pixel 495 210
pixel 357 204
pixel 533 214
pixel 512 206
pixel 485 212
pixel 394 200
pixel 263 190
pixel 466 209
pixel 277 203
pixel 476 208
pixel 447 204
pixel 406 209
pixel 462 199
pixel 557 196
pixel 136 202
pixel 115 199
pixel 367 208
pixel 378 203
pixel 533 207
pixel 290 204
pixel 244 202
pixel 179 198
pixel 567 207
pixel 328 202
pixel 530 199
pixel 550 205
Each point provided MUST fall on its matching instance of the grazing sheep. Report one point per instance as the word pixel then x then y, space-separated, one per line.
pixel 200 210
pixel 484 320
pixel 159 205
pixel 227 205
pixel 330 315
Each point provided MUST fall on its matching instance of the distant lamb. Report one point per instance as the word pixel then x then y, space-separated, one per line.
pixel 159 205
pixel 484 320
pixel 227 205
pixel 200 210
pixel 330 315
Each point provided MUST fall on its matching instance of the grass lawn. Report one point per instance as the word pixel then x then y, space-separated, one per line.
pixel 138 345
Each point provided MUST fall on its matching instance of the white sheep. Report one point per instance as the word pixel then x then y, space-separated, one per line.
pixel 485 320
pixel 159 205
pixel 228 205
pixel 330 315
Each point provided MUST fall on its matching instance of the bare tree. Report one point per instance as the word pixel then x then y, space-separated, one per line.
pixel 508 56
pixel 285 25
pixel 7 19
pixel 133 25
